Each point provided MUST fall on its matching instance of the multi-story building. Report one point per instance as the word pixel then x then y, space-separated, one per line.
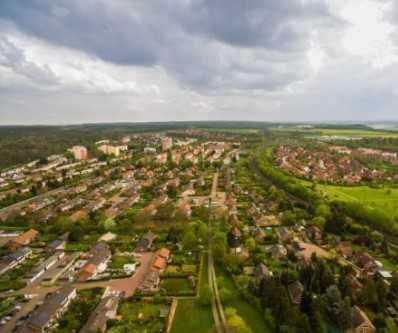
pixel 79 152
pixel 167 143
pixel 110 150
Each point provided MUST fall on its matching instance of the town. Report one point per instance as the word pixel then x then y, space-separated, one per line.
pixel 140 231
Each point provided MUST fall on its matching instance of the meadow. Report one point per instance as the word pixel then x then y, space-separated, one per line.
pixel 382 198
pixel 354 133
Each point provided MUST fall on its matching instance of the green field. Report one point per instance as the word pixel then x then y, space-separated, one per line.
pixel 232 130
pixel 382 198
pixel 354 133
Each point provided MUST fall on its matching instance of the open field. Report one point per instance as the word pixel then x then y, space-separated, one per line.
pixel 232 130
pixel 354 133
pixel 382 198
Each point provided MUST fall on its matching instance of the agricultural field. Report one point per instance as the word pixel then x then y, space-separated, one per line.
pixel 382 198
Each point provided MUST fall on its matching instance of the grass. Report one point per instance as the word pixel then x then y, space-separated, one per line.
pixel 119 261
pixel 200 317
pixel 143 316
pixel 192 317
pixel 382 198
pixel 249 313
pixel 353 133
pixel 232 130
pixel 176 286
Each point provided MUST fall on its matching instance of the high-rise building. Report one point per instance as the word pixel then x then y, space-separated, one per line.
pixel 79 152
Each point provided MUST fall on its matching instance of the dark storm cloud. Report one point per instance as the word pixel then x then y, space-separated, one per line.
pixel 183 37
pixel 274 24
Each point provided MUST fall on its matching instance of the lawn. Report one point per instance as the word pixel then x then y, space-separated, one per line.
pixel 177 286
pixel 202 320
pixel 119 261
pixel 192 317
pixel 382 198
pixel 140 316
pixel 249 313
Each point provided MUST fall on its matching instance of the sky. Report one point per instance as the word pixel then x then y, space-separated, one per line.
pixel 74 61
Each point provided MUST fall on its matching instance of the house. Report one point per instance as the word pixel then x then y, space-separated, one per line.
pixel 105 310
pixel 22 240
pixel 12 260
pixel 361 322
pixel 266 220
pixel 150 282
pixel 296 290
pixel 261 271
pixel 47 314
pixel 39 270
pixel 278 251
pixel 344 248
pixel 306 251
pixel 98 259
pixel 283 234
pixel 315 234
pixel 145 243
pixel 56 245
pixel 259 235
pixel 160 261
pixel 235 237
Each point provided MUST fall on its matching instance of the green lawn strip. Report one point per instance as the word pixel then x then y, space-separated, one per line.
pixel 250 314
pixel 192 317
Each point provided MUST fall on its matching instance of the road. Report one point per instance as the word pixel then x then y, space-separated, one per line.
pixel 217 308
pixel 26 309
pixel 19 204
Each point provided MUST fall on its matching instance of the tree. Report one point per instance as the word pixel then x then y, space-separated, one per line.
pixel 236 323
pixel 250 244
pixel 109 224
pixel 225 295
pixel 189 240
pixel 369 294
pixel 202 231
pixel 345 317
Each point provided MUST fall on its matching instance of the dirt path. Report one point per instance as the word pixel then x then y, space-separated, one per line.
pixel 217 309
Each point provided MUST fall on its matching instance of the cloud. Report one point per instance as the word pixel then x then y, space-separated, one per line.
pixel 199 42
pixel 145 60
pixel 14 59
